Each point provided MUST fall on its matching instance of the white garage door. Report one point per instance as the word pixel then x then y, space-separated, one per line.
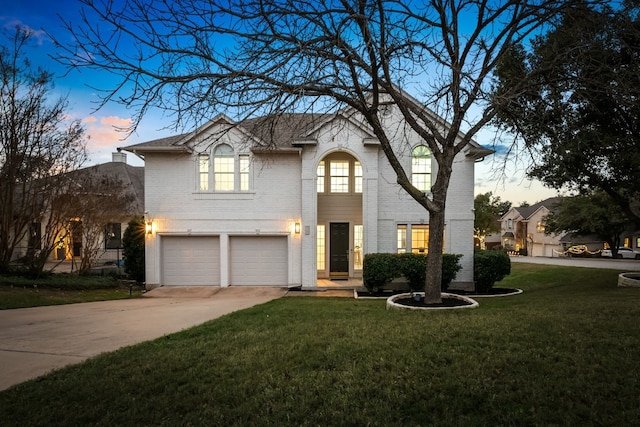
pixel 258 261
pixel 190 261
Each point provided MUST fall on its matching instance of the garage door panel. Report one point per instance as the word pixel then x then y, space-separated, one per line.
pixel 259 261
pixel 191 261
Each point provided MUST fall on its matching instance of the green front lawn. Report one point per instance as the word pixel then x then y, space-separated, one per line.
pixel 566 352
pixel 56 289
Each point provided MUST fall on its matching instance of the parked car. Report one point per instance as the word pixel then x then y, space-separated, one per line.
pixel 622 253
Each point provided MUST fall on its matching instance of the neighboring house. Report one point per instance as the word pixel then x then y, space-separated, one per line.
pixel 631 238
pixel 129 179
pixel 523 228
pixel 226 207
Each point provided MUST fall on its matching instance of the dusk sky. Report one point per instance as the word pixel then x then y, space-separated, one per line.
pixel 104 139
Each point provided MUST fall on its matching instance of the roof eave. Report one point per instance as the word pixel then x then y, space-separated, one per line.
pixel 169 149
pixel 478 153
pixel 279 150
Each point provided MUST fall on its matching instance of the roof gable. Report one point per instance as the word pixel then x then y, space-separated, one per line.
pixel 526 212
pixel 282 132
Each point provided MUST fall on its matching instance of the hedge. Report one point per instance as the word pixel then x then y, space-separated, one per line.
pixel 380 269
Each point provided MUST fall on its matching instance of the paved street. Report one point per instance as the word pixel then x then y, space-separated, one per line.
pixel 613 264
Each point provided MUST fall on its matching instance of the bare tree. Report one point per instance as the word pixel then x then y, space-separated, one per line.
pixel 36 143
pixel 253 57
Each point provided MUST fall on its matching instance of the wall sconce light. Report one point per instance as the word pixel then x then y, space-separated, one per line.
pixel 149 227
pixel 297 228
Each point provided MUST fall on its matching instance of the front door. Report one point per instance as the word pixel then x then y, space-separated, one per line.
pixel 339 250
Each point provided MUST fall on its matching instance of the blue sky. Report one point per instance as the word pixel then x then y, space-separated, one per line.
pixel 104 139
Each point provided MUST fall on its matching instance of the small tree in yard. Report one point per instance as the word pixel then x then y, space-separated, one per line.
pixel 133 249
pixel 487 212
pixel 254 57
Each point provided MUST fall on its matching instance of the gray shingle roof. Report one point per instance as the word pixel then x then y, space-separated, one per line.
pixel 131 177
pixel 527 211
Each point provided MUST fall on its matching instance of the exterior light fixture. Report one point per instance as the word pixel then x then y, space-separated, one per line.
pixel 149 227
pixel 297 228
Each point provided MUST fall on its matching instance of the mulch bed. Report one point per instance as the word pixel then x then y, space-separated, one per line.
pixel 492 292
pixel 446 303
pixel 387 294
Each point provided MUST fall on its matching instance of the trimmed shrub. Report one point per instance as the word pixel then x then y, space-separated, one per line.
pixel 489 267
pixel 380 269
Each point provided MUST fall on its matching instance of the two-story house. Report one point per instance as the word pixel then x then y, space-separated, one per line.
pixel 523 228
pixel 289 199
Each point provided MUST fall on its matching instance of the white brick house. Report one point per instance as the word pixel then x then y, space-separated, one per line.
pixel 227 208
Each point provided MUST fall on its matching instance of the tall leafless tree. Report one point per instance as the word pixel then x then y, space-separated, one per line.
pixel 94 201
pixel 195 58
pixel 37 143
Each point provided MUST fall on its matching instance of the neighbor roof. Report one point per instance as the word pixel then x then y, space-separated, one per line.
pixel 131 177
pixel 527 211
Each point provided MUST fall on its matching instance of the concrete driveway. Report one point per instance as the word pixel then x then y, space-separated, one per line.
pixel 34 341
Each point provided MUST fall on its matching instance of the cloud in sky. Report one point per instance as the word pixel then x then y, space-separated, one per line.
pixel 106 131
pixel 10 24
pixel 105 135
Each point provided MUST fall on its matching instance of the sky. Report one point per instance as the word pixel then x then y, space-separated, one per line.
pixel 507 181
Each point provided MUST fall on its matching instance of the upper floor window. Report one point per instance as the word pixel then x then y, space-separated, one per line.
pixel 339 174
pixel 421 168
pixel 203 172
pixel 223 168
pixel 244 172
pixel 357 175
pixel 321 175
pixel 540 227
pixel 224 171
pixel 510 224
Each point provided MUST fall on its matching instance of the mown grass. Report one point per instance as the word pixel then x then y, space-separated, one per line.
pixel 56 289
pixel 563 353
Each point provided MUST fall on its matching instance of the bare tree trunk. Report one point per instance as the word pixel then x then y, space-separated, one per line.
pixel 433 282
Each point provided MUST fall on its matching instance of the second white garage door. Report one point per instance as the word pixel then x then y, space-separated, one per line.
pixel 258 260
pixel 190 261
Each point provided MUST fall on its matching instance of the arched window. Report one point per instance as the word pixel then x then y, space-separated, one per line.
pixel 223 168
pixel 421 168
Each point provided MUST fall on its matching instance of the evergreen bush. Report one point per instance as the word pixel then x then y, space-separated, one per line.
pixel 133 249
pixel 489 267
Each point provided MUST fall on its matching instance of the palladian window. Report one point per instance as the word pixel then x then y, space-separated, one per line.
pixel 224 171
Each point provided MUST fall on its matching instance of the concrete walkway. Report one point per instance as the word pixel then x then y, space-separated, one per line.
pixel 34 341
